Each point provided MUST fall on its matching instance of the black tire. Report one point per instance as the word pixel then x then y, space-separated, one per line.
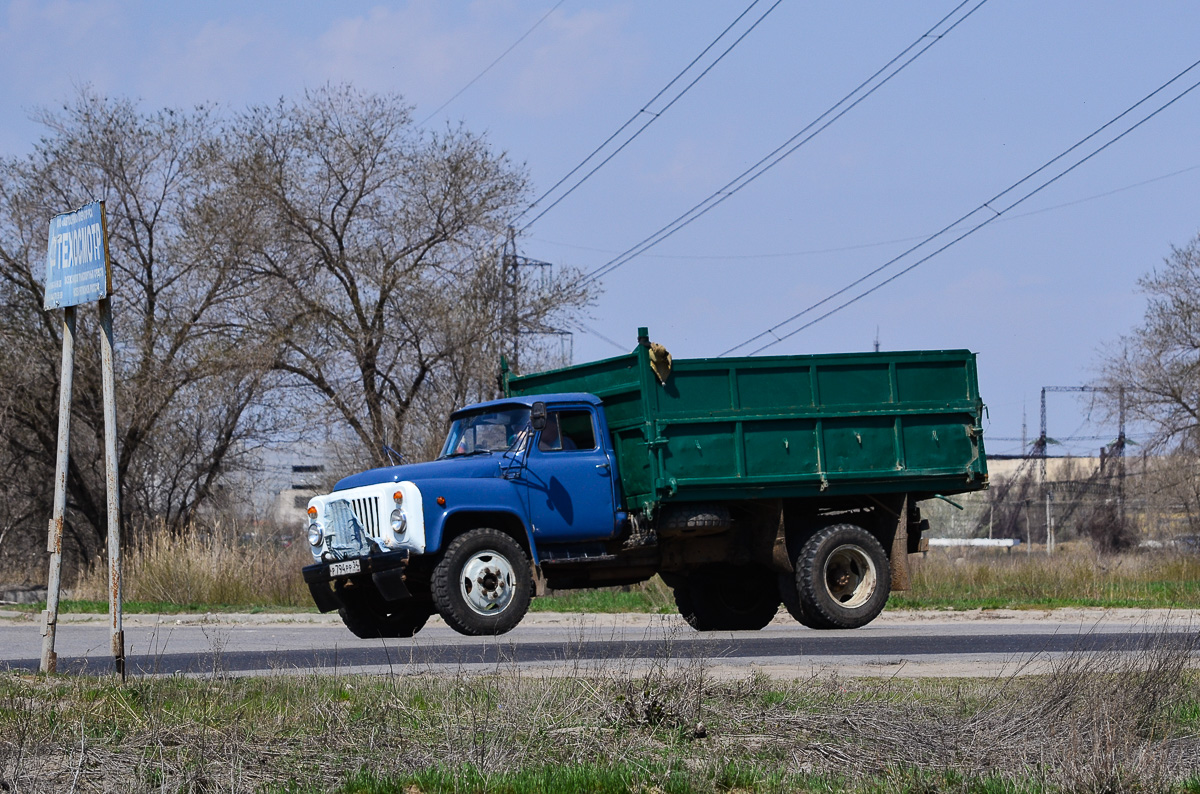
pixel 369 617
pixel 727 598
pixel 843 578
pixel 672 579
pixel 791 602
pixel 483 583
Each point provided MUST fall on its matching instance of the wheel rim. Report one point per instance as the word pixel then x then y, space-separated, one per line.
pixel 487 582
pixel 850 576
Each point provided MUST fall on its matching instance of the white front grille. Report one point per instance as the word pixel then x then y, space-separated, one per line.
pixel 367 512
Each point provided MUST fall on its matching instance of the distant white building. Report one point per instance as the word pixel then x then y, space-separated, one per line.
pixel 1057 469
pixel 275 484
pixel 291 502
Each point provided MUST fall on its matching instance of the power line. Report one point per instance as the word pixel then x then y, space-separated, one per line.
pixel 587 329
pixel 881 243
pixel 984 207
pixel 806 134
pixel 1056 439
pixel 488 68
pixel 654 115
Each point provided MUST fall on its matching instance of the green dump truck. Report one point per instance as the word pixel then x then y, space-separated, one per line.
pixel 742 482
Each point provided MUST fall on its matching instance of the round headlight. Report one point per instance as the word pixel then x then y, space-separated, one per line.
pixel 314 534
pixel 399 522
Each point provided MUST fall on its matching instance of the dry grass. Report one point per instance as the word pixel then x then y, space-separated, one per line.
pixel 1095 723
pixel 216 568
pixel 1071 577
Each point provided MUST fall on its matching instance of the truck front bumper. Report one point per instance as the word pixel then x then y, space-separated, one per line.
pixel 385 570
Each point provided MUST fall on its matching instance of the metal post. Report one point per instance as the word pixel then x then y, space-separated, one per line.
pixel 114 495
pixel 1028 531
pixel 1121 459
pixel 54 540
pixel 1049 526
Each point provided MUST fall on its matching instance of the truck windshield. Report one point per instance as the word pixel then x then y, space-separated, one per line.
pixel 486 431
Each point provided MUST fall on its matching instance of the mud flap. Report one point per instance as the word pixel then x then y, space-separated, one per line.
pixel 390 584
pixel 324 597
pixel 901 575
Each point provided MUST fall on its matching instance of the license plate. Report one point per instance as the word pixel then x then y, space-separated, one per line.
pixel 345 568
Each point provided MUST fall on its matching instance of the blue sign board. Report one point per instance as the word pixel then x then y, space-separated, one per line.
pixel 77 268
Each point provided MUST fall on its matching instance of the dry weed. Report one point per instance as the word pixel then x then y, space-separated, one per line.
pixel 221 566
pixel 1073 575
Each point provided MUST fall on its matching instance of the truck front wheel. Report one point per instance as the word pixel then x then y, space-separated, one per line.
pixel 483 583
pixel 368 616
pixel 842 578
pixel 727 598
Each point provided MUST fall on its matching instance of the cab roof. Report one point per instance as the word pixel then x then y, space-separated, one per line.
pixel 528 400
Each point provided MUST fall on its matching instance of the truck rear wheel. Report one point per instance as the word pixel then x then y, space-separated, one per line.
pixel 483 583
pixel 842 578
pixel 369 617
pixel 727 598
pixel 791 601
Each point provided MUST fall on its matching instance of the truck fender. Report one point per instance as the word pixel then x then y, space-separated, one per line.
pixel 455 521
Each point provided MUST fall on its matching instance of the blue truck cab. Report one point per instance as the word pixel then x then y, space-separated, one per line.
pixel 519 482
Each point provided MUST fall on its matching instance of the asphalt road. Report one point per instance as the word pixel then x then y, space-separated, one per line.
pixel 905 644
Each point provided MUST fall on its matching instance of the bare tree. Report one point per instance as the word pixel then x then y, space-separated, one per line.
pixel 188 380
pixel 1158 363
pixel 377 256
pixel 307 260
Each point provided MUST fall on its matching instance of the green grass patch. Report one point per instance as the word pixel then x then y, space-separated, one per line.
pixel 602 601
pixel 652 596
pixel 626 778
pixel 660 778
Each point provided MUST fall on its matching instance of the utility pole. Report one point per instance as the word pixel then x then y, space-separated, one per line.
pixel 1042 440
pixel 510 302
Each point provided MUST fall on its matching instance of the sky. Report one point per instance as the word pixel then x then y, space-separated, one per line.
pixel 1039 294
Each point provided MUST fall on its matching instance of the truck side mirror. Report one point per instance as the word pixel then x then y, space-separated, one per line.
pixel 537 415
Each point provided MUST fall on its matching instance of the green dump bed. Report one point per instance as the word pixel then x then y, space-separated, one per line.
pixel 785 426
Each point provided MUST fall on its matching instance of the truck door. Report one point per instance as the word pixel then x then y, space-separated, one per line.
pixel 570 479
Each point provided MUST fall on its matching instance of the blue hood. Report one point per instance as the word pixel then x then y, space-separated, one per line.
pixel 467 466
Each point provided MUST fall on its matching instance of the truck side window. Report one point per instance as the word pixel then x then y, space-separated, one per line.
pixel 567 430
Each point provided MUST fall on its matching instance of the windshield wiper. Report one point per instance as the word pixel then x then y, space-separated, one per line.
pixel 469 454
